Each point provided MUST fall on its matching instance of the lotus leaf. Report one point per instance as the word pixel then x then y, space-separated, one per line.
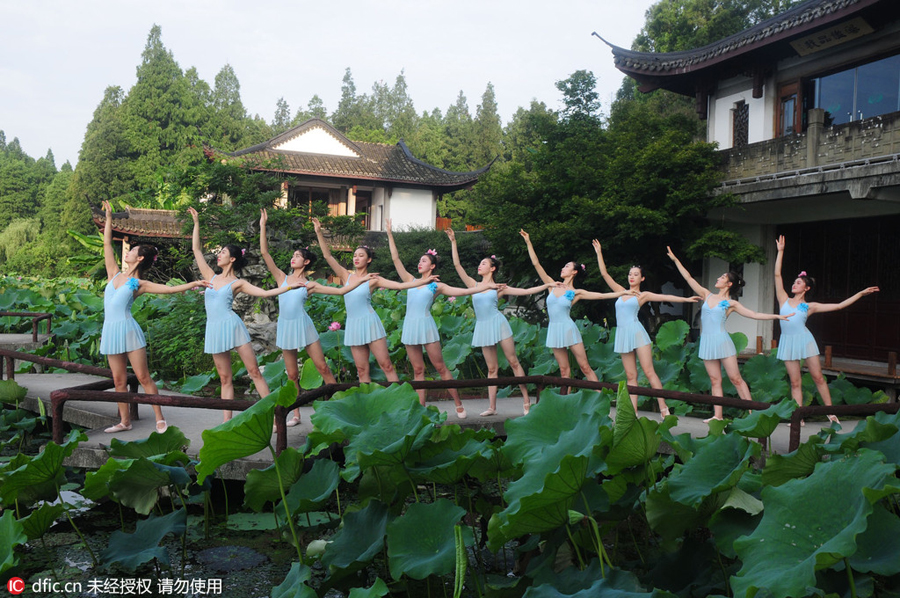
pixel 422 541
pixel 879 545
pixel 562 422
pixel 132 550
pixel 359 539
pixel 382 425
pixel 41 519
pixel 672 334
pixel 96 483
pixel 171 440
pixel 761 424
pixel 377 590
pixel 262 484
pixel 447 459
pixel 798 464
pixel 457 350
pixel 11 535
pixel 11 392
pixel 727 525
pixel 717 467
pixel 196 383
pixel 309 376
pixel 313 488
pixel 294 585
pixel 137 484
pixel 765 376
pixel 39 477
pixel 875 428
pixel 616 584
pixel 807 525
pixel 275 374
pixel 671 519
pixel 246 434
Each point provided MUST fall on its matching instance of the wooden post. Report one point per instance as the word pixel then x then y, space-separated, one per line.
pixel 892 363
pixel 828 356
pixel 759 345
pixel 774 344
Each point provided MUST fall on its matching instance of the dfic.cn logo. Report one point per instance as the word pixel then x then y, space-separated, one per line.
pixel 15 585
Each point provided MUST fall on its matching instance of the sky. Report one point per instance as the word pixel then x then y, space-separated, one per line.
pixel 58 57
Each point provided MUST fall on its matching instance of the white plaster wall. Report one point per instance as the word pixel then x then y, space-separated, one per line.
pixel 316 141
pixel 719 129
pixel 379 209
pixel 758 292
pixel 412 208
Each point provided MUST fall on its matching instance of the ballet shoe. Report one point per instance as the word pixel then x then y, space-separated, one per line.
pixel 706 421
pixel 664 411
pixel 161 426
pixel 461 412
pixel 526 408
pixel 802 423
pixel 488 413
pixel 833 419
pixel 119 427
pixel 294 421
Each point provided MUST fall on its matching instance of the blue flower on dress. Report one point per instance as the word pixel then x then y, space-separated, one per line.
pixel 570 295
pixel 133 284
pixel 724 304
pixel 803 307
pixel 432 287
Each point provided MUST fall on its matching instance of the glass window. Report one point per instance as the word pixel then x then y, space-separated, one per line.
pixel 861 92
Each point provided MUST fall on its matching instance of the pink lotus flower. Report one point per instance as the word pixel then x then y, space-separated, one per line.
pixel 451 299
pixel 334 326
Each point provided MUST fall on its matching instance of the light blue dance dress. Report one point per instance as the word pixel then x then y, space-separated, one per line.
pixel 418 326
pixel 121 332
pixel 561 331
pixel 363 324
pixel 796 342
pixel 491 326
pixel 224 329
pixel 295 327
pixel 630 333
pixel 715 342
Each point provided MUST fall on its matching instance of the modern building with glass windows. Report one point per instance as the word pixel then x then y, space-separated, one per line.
pixel 805 108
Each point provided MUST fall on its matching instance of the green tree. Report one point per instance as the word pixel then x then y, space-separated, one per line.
pixel 229 128
pixel 488 130
pixel 282 119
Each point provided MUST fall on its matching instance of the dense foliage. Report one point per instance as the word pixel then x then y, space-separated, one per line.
pixel 569 503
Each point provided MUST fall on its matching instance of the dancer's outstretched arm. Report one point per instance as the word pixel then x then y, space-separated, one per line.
pixel 827 307
pixel 467 280
pixel 542 274
pixel 205 271
pixel 276 272
pixel 404 275
pixel 602 265
pixel 341 271
pixel 695 286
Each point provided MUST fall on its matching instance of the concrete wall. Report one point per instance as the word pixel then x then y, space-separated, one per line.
pixel 869 138
pixel 720 129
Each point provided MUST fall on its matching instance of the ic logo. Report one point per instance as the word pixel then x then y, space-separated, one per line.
pixel 15 585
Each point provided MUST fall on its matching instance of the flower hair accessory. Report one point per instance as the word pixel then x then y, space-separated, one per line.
pixel 493 257
pixel 801 274
pixel 432 252
pixel 583 269
pixel 243 252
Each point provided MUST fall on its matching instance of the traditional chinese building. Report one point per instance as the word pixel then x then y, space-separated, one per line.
pixel 805 108
pixel 355 177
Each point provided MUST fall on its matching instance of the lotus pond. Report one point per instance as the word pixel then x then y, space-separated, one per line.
pixel 386 498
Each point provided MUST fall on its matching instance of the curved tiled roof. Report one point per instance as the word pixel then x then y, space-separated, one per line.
pixel 372 162
pixel 142 222
pixel 797 21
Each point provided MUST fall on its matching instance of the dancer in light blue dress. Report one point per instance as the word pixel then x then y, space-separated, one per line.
pixel 632 341
pixel 363 332
pixel 295 330
pixel 122 339
pixel 419 328
pixel 491 327
pixel 797 343
pixel 225 331
pixel 716 348
pixel 562 333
